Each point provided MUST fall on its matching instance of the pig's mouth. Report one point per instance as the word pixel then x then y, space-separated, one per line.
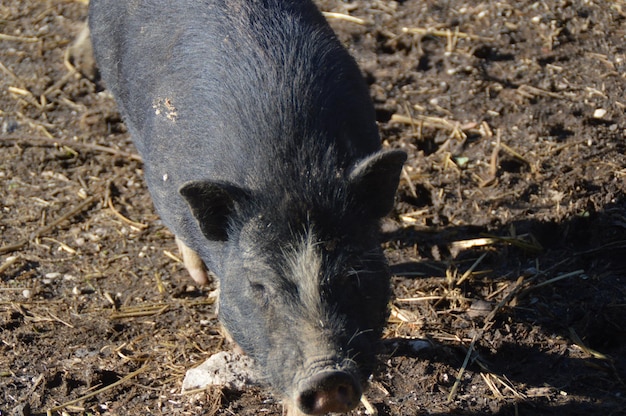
pixel 327 390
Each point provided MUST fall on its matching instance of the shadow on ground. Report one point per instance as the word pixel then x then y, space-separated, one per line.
pixel 530 343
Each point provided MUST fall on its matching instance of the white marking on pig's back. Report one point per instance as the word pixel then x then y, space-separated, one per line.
pixel 165 107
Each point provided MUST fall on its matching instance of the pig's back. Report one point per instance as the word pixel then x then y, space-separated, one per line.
pixel 241 91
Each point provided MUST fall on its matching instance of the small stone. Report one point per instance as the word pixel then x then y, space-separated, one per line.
pixel 599 113
pixel 9 126
pixel 479 308
pixel 227 369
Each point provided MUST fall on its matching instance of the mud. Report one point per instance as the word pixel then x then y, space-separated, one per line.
pixel 507 243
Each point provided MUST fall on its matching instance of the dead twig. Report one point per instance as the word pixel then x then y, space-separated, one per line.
pixel 27 39
pixel 517 156
pixel 493 161
pixel 69 143
pixel 488 322
pixel 529 91
pixel 446 33
pixel 469 271
pixel 574 336
pixel 96 392
pixel 517 241
pixel 454 127
pixel 369 409
pixel 409 182
pixel 553 280
pixel 504 382
pixel 37 125
pixel 614 245
pixel 141 310
pixel 120 216
pixel 420 298
pixel 343 16
pixel 60 83
pixel 26 95
pixel 514 291
pixel 489 382
pixel 61 244
pixel 10 73
pixel 8 263
pixel 457 381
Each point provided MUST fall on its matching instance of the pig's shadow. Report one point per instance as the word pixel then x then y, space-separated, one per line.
pixel 592 306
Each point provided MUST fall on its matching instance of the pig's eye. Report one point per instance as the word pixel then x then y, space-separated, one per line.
pixel 352 280
pixel 259 292
pixel 258 288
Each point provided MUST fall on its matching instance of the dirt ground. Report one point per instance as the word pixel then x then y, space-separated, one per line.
pixel 508 241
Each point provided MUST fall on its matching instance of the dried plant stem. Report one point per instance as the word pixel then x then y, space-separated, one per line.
pixel 27 39
pixel 469 271
pixel 96 392
pixel 43 230
pixel 8 263
pixel 443 33
pixel 457 382
pixel 70 143
pixel 343 16
pixel 123 218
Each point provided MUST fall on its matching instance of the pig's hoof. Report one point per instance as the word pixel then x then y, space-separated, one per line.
pixel 200 276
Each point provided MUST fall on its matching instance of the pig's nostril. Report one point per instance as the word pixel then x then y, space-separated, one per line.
pixel 335 391
pixel 307 401
pixel 344 393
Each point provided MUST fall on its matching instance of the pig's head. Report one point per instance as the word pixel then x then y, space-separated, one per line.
pixel 304 288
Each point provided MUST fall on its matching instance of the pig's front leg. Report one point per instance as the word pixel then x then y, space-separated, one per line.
pixel 193 263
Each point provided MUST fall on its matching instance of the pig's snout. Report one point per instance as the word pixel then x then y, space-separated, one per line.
pixel 329 392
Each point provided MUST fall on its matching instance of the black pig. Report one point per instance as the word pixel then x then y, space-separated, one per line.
pixel 262 156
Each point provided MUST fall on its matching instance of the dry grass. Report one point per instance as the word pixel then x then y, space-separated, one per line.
pixel 43 236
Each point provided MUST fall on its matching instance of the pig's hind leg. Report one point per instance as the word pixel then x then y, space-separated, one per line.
pixel 193 263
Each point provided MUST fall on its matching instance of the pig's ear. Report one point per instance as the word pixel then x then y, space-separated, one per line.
pixel 212 204
pixel 374 180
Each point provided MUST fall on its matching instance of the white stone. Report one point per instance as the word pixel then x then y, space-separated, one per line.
pixel 599 113
pixel 227 369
